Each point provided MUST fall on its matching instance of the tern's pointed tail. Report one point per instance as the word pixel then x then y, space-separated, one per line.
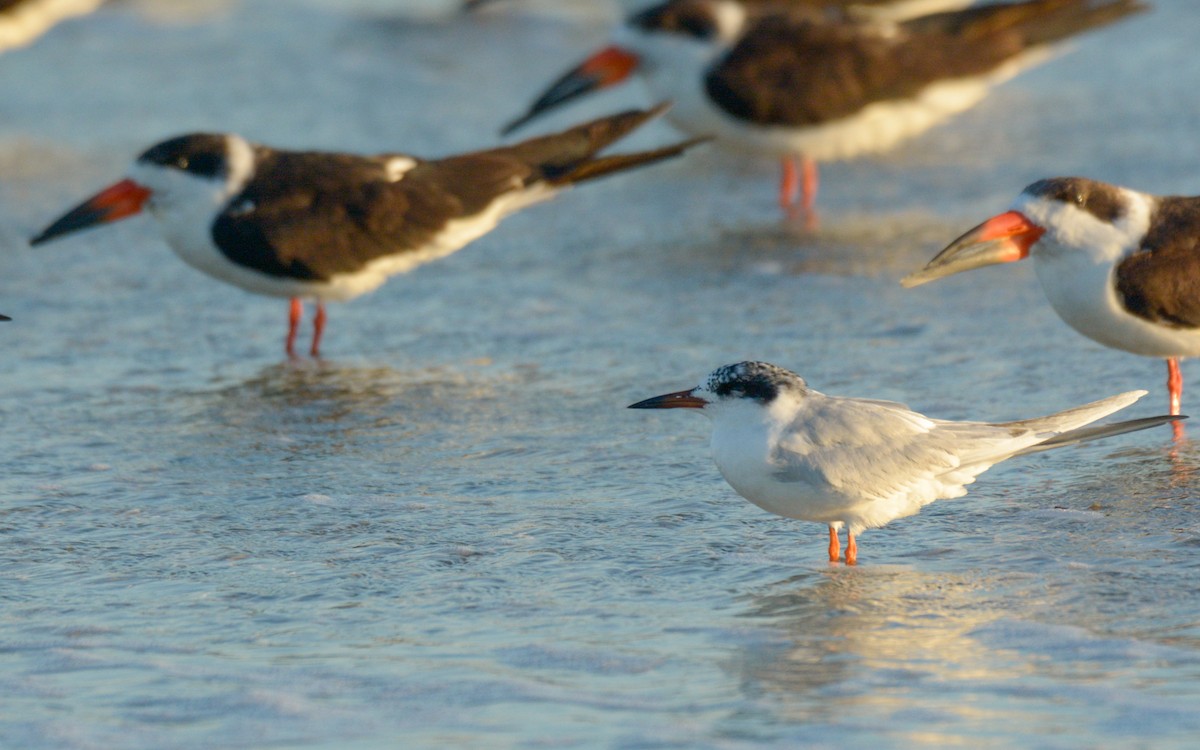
pixel 1084 434
pixel 1070 426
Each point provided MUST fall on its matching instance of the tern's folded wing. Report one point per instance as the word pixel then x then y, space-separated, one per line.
pixel 887 454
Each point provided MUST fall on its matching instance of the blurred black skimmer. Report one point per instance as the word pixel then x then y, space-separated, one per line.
pixel 332 226
pixel 812 82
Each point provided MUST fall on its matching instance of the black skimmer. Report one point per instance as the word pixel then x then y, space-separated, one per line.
pixel 861 463
pixel 22 21
pixel 332 226
pixel 810 84
pixel 1119 266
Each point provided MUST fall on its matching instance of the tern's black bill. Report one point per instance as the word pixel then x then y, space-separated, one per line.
pixel 677 400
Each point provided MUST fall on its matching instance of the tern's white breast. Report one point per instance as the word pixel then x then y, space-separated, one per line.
pixel 744 447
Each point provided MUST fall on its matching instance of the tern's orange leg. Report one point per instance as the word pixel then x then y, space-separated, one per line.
pixel 318 328
pixel 851 549
pixel 1175 390
pixel 294 314
pixel 835 548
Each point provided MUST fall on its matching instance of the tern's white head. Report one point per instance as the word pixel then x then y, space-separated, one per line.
pixel 743 390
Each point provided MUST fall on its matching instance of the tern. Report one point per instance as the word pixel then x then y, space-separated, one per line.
pixel 332 226
pixel 861 463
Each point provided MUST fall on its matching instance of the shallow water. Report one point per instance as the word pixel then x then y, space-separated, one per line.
pixel 450 532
